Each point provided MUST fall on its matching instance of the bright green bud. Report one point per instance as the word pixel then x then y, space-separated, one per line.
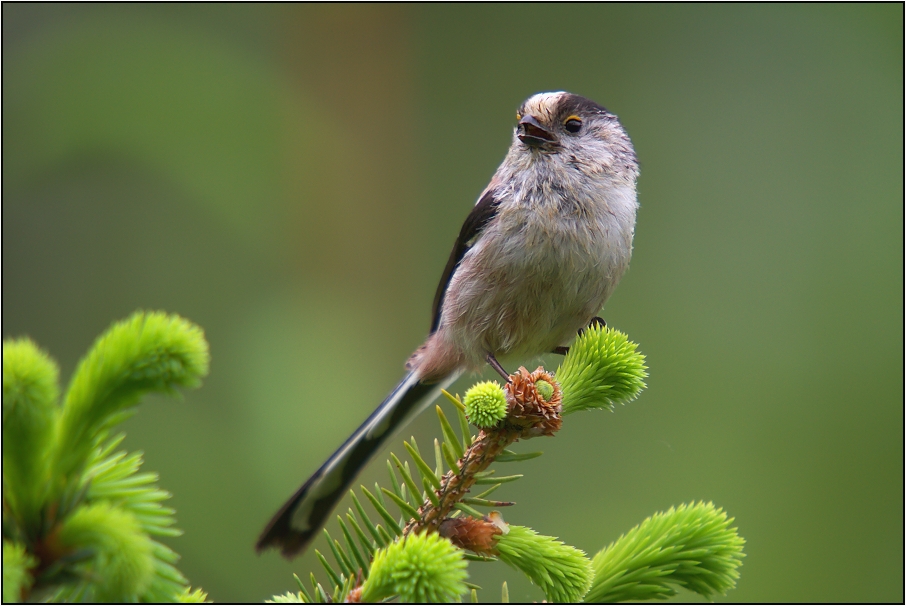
pixel 485 404
pixel 691 546
pixel 16 576
pixel 544 389
pixel 30 395
pixel 562 572
pixel 123 562
pixel 419 568
pixel 602 368
pixel 190 596
pixel 286 598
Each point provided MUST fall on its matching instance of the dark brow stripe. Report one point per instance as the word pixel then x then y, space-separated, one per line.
pixel 576 104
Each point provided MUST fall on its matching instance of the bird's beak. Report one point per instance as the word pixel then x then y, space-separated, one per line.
pixel 533 134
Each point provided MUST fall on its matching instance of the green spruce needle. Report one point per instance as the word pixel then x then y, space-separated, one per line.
pixel 406 509
pixel 147 352
pixel 360 535
pixel 509 456
pixel 423 467
pixel 691 546
pixel 603 368
pixel 334 577
pixel 562 572
pixel 372 529
pixel 192 596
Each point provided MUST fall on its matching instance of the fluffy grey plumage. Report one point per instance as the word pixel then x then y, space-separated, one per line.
pixel 557 245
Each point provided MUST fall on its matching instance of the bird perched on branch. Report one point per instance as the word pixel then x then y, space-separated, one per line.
pixel 542 250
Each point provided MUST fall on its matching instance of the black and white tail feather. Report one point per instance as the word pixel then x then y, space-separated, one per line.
pixel 305 513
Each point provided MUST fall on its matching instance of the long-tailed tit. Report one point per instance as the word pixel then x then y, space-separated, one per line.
pixel 535 260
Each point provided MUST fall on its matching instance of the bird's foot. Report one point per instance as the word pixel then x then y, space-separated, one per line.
pixel 596 321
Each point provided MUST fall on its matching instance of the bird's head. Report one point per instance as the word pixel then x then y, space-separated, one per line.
pixel 572 129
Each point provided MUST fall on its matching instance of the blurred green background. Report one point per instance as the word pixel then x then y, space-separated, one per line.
pixel 291 178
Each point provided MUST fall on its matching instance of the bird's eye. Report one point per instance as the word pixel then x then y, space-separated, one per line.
pixel 573 124
pixel 518 116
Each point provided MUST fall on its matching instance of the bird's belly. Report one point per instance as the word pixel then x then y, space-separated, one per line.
pixel 531 293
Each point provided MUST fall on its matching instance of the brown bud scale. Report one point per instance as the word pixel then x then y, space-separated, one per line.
pixel 470 533
pixel 526 407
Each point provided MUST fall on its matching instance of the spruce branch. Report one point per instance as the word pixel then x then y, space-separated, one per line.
pixel 691 546
pixel 528 415
pixel 84 514
pixel 147 352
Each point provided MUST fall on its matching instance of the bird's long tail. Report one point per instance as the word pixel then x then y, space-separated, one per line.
pixel 304 514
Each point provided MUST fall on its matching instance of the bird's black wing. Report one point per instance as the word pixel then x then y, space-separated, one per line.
pixel 477 220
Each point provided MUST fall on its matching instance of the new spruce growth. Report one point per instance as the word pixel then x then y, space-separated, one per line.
pixel 419 568
pixel 420 553
pixel 603 368
pixel 562 572
pixel 78 517
pixel 690 546
pixel 485 404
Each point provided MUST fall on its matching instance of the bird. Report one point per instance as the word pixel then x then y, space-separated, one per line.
pixel 540 253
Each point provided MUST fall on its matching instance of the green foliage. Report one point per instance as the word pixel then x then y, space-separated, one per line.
pixel 562 572
pixel 419 568
pixel 190 596
pixel 408 489
pixel 603 368
pixel 122 562
pixel 691 546
pixel 114 477
pixel 83 514
pixel 16 564
pixel 30 395
pixel 287 598
pixel 146 352
pixel 485 404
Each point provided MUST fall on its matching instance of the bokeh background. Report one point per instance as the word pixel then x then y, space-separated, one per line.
pixel 291 178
